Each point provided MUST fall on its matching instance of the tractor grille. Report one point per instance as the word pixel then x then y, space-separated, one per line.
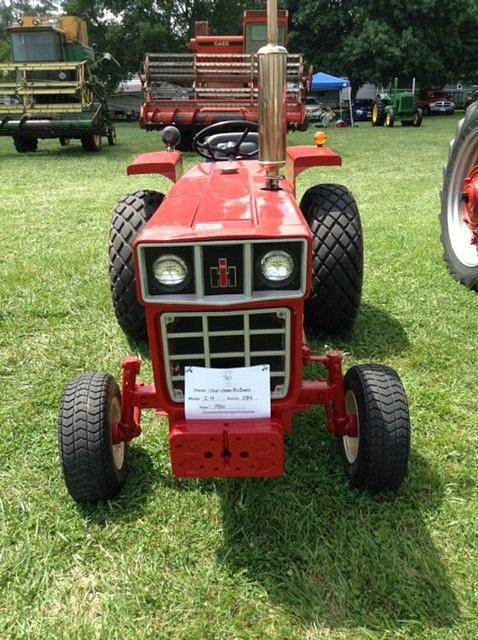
pixel 407 103
pixel 227 340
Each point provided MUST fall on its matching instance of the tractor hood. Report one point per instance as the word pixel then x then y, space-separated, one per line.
pixel 218 200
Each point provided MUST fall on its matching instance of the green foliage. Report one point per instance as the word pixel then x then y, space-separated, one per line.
pixel 4 51
pixel 433 40
pixel 128 29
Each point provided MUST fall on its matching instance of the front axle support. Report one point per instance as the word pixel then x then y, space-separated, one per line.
pixel 137 396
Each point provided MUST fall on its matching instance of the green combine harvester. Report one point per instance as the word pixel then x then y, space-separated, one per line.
pixel 397 104
pixel 49 90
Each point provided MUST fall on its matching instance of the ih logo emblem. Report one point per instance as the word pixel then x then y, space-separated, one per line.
pixel 223 276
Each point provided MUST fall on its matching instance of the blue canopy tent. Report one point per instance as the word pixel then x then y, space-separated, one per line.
pixel 325 82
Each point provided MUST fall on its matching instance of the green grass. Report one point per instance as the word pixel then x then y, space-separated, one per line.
pixel 302 557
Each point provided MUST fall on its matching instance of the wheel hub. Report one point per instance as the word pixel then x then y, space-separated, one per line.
pixel 469 199
pixel 351 442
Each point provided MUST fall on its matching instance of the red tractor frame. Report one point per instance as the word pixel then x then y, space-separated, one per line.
pixel 296 265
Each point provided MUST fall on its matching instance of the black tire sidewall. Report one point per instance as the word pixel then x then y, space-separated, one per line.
pixel 382 459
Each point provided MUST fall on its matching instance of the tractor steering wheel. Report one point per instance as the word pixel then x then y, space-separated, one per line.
pixel 224 150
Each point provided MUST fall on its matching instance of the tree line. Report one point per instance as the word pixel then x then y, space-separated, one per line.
pixel 435 41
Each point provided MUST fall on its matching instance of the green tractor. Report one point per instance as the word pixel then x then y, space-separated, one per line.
pixel 49 90
pixel 397 104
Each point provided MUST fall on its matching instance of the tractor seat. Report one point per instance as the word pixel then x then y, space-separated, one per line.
pixel 222 140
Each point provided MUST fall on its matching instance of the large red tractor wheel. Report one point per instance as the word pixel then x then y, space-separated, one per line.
pixel 333 217
pixel 377 458
pixel 93 466
pixel 459 202
pixel 378 113
pixel 129 218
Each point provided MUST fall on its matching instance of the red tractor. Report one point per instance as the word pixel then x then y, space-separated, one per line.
pixel 222 275
pixel 217 80
pixel 459 202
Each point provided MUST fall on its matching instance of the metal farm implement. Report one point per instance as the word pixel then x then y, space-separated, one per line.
pixel 217 81
pixel 50 90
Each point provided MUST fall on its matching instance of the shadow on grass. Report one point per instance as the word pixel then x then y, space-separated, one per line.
pixel 333 556
pixel 375 335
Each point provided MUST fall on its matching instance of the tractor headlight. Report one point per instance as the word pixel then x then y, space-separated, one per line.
pixel 277 266
pixel 170 270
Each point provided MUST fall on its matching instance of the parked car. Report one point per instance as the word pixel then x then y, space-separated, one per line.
pixel 7 101
pixel 314 109
pixel 362 109
pixel 442 106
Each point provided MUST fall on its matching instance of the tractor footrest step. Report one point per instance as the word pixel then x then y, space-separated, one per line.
pixel 227 449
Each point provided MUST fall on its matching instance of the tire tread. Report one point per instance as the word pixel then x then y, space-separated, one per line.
pixel 84 439
pixel 384 430
pixel 337 268
pixel 129 218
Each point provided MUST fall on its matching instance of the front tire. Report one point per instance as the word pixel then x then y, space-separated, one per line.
pixel 389 118
pixel 460 254
pixel 93 467
pixel 337 267
pixel 129 218
pixel 418 118
pixel 378 113
pixel 377 459
pixel 91 143
pixel 25 145
pixel 112 136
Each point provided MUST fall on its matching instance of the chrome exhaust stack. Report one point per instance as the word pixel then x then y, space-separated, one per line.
pixel 272 101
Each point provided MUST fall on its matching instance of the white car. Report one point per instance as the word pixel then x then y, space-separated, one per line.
pixel 442 106
pixel 314 109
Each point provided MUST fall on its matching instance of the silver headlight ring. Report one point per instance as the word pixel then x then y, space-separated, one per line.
pixel 289 267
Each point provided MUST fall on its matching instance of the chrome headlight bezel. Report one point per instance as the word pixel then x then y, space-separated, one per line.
pixel 293 281
pixel 171 259
pixel 267 267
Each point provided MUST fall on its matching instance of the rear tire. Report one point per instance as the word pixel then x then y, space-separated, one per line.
pixel 112 136
pixel 91 143
pixel 377 459
pixel 337 267
pixel 25 145
pixel 129 218
pixel 378 113
pixel 418 119
pixel 460 255
pixel 94 469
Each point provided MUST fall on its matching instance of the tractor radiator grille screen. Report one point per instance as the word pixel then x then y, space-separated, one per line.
pixel 227 340
pixel 407 103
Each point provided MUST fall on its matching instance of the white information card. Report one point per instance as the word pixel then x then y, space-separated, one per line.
pixel 243 392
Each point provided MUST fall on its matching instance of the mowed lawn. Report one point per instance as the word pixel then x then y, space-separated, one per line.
pixel 302 557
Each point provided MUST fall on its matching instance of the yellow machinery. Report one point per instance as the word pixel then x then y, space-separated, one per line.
pixel 49 89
